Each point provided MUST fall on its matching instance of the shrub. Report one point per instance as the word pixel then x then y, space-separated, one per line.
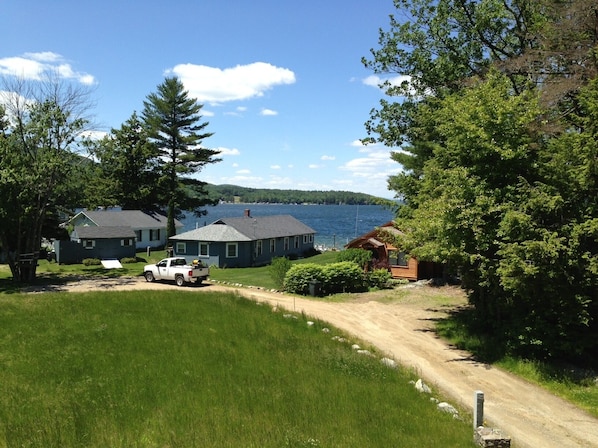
pixel 344 276
pixel 128 260
pixel 379 278
pixel 299 276
pixel 92 262
pixel 361 257
pixel 279 269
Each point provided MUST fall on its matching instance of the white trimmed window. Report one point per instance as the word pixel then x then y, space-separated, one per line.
pixel 258 248
pixel 286 243
pixel 272 245
pixel 155 235
pixel 126 242
pixel 203 250
pixel 232 250
pixel 181 248
pixel 89 244
pixel 296 242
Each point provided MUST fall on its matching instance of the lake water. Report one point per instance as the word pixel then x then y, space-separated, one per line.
pixel 335 225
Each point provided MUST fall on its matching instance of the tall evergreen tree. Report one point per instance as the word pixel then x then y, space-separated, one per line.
pixel 173 123
pixel 128 164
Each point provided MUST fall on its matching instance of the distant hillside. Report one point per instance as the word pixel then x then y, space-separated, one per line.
pixel 234 193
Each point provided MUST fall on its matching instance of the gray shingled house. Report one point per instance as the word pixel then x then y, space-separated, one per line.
pixel 105 242
pixel 149 227
pixel 245 241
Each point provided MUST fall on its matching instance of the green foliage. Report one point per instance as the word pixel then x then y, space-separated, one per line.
pixel 492 186
pixel 128 260
pixel 361 257
pixel 37 163
pixel 379 278
pixel 173 123
pixel 91 262
pixel 299 276
pixel 278 270
pixel 127 169
pixel 343 276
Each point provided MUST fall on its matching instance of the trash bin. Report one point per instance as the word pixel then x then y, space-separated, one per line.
pixel 315 288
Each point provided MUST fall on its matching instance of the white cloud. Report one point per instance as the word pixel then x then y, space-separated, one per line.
pixel 35 66
pixel 314 166
pixel 244 171
pixel 375 80
pixel 275 167
pixel 215 85
pixel 328 157
pixel 228 151
pixel 268 112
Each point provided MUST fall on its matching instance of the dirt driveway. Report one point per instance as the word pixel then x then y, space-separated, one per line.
pixel 401 329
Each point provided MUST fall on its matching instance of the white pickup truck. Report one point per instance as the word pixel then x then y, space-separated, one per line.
pixel 177 269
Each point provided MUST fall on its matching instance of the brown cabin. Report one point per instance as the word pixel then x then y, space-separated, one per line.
pixel 400 264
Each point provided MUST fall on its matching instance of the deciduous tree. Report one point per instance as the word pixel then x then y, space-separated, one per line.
pixel 41 125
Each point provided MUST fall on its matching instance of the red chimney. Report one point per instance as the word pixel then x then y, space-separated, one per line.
pixel 247 213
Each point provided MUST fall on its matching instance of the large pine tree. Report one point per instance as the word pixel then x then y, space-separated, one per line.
pixel 174 124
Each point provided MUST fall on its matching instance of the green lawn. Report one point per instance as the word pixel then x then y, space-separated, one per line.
pixel 184 369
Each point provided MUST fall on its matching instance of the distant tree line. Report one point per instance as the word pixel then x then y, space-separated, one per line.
pixel 231 193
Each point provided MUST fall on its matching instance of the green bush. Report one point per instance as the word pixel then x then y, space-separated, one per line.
pixel 361 257
pixel 298 277
pixel 379 278
pixel 344 276
pixel 278 270
pixel 128 260
pixel 92 262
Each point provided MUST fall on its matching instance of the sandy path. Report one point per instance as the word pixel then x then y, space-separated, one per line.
pixel 532 417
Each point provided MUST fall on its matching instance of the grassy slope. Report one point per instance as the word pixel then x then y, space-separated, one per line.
pixel 170 369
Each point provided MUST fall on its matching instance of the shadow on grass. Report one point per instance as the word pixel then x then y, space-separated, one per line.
pixel 45 281
pixel 465 330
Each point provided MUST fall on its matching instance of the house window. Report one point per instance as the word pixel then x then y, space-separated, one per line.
pixel 155 235
pixel 232 250
pixel 89 244
pixel 396 258
pixel 181 248
pixel 203 250
pixel 126 242
pixel 272 245
pixel 258 248
pixel 286 243
pixel 138 235
pixel 296 242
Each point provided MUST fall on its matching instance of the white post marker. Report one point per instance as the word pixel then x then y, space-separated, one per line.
pixel 478 409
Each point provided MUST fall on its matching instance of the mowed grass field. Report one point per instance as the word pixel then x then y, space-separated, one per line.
pixel 173 369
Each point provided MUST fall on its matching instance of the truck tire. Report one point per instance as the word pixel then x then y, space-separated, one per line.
pixel 149 276
pixel 179 280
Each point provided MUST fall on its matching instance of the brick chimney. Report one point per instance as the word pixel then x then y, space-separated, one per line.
pixel 247 213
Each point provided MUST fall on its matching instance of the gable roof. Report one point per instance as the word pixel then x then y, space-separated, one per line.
pixel 375 237
pixel 136 219
pixel 247 229
pixel 103 232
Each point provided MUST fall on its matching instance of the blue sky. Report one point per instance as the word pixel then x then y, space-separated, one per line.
pixel 281 81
